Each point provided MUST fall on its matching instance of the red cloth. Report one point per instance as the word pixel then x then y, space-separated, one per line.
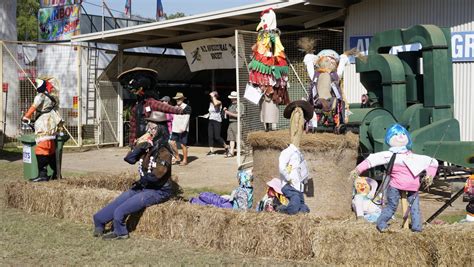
pixel 154 105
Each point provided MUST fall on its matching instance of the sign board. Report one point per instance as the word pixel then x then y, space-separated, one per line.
pixel 51 3
pixel 212 53
pixel 26 154
pixel 58 23
pixel 462 44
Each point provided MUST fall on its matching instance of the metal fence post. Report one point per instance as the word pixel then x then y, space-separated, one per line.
pixel 120 100
pixel 2 129
pixel 239 126
pixel 79 95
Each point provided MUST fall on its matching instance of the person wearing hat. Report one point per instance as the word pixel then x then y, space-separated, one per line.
pixel 291 163
pixel 141 82
pixel 45 104
pixel 169 116
pixel 180 128
pixel 154 186
pixel 233 113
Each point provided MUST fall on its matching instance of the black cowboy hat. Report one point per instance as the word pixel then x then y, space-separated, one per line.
pixel 308 110
pixel 138 77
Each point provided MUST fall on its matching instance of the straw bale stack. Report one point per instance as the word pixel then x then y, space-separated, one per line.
pixel 299 237
pixel 120 182
pixel 330 158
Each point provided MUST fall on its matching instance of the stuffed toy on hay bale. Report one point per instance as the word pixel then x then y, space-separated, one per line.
pixel 330 159
pixel 299 237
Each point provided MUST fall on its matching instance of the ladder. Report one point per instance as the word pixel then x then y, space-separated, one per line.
pixel 91 100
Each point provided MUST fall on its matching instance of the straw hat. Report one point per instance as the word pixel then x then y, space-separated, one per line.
pixel 179 95
pixel 233 95
pixel 157 116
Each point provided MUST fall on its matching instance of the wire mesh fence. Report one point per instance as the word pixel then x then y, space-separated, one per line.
pixel 76 74
pixel 298 79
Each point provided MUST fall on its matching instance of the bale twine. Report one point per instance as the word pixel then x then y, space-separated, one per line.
pixel 330 158
pixel 299 237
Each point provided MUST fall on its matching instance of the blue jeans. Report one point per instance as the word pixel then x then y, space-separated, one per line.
pixel 296 201
pixel 129 202
pixel 393 197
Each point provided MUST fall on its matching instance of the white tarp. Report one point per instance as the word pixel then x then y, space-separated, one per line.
pixel 212 53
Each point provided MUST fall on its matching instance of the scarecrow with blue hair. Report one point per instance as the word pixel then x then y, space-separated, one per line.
pixel 405 175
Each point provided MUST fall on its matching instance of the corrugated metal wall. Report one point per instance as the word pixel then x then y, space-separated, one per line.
pixel 372 16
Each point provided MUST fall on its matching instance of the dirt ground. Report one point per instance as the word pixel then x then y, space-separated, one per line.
pixel 215 172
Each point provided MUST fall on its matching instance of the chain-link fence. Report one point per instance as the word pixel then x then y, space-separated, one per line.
pixel 298 78
pixel 76 69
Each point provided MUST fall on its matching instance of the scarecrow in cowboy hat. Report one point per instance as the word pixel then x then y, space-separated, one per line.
pixel 46 123
pixel 142 83
pixel 291 163
pixel 269 68
pixel 153 154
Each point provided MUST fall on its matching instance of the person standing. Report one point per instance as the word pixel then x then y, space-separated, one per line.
pixel 233 113
pixel 166 99
pixel 180 129
pixel 214 125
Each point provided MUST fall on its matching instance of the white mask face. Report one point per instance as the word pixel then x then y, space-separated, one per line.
pixel 398 140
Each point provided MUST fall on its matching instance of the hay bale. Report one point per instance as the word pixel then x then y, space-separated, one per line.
pixel 299 237
pixel 330 158
pixel 120 182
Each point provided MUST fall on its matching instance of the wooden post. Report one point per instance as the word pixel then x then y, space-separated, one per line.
pixel 404 201
pixel 120 100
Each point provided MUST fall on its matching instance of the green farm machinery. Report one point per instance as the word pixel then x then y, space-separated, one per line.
pixel 414 89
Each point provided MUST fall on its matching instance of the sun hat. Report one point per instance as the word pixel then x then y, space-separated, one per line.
pixel 157 116
pixel 179 95
pixel 233 95
pixel 276 184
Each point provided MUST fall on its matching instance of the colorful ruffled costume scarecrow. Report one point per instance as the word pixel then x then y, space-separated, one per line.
pixel 45 104
pixel 269 67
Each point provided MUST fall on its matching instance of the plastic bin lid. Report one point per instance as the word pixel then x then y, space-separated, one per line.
pixel 27 138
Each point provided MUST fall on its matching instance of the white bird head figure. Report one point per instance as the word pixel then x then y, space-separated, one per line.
pixel 267 20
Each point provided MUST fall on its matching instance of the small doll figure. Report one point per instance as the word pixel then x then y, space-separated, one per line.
pixel 405 175
pixel 274 198
pixel 363 193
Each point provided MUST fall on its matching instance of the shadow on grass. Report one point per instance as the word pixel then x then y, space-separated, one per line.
pixel 11 154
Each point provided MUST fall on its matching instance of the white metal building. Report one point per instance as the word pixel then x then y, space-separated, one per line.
pixel 360 18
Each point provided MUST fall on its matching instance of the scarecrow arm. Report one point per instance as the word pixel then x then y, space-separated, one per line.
pixel 29 113
pixel 156 105
pixel 374 160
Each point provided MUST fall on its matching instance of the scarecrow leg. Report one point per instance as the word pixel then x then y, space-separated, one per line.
pixel 404 202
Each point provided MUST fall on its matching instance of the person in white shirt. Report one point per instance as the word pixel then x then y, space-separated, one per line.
pixel 291 163
pixel 180 129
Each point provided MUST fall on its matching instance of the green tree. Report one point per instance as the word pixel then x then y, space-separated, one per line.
pixel 26 20
pixel 175 15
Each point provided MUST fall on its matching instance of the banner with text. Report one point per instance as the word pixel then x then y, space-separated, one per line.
pixel 51 3
pixel 462 45
pixel 212 53
pixel 58 23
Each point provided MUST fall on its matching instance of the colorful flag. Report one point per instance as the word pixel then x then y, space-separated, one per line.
pixel 128 6
pixel 159 10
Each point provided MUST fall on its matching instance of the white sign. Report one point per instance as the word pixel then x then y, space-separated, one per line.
pixel 26 154
pixel 212 53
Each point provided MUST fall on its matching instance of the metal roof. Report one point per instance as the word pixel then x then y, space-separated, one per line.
pixel 291 15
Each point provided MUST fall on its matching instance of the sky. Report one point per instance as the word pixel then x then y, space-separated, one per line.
pixel 147 8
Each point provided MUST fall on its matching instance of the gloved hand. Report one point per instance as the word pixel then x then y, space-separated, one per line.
pixel 136 186
pixel 353 175
pixel 25 120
